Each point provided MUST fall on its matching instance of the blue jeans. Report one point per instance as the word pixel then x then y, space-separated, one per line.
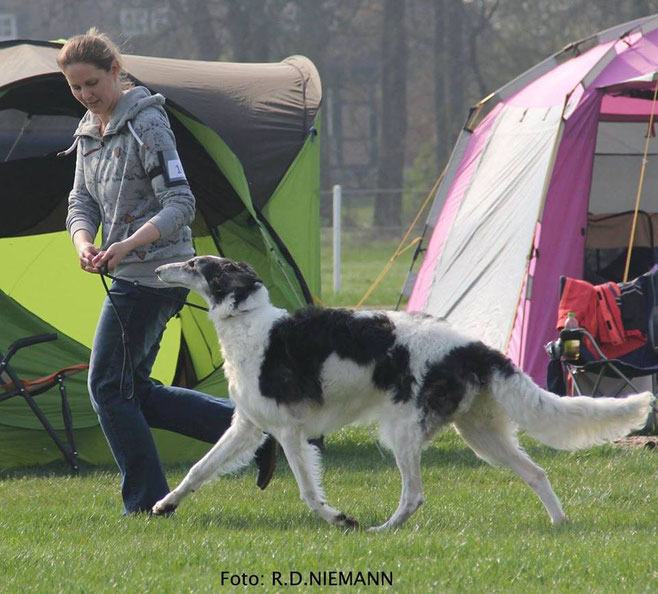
pixel 128 402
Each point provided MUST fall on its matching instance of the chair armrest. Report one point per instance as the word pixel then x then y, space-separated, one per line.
pixel 25 342
pixel 572 334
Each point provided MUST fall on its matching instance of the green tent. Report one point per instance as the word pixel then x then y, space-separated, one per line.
pixel 248 137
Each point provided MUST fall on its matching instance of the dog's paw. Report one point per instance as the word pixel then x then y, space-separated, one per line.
pixel 352 523
pixel 347 522
pixel 161 508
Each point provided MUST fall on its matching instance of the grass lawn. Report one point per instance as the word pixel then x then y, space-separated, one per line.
pixel 480 530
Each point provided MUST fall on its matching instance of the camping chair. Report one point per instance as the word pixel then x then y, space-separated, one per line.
pixel 627 366
pixel 11 385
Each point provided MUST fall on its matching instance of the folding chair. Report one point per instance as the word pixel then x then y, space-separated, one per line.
pixel 13 386
pixel 628 366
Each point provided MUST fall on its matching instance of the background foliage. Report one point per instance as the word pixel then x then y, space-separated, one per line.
pixel 398 75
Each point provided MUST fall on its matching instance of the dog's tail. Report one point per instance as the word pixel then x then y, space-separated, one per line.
pixel 569 423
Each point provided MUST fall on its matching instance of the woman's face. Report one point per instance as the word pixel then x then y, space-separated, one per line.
pixel 97 89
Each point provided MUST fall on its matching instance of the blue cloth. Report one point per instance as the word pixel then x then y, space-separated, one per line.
pixel 128 402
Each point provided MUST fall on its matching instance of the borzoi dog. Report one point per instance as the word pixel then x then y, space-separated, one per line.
pixel 301 375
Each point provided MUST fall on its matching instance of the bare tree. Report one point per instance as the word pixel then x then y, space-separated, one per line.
pixel 206 33
pixel 477 24
pixel 454 82
pixel 240 21
pixel 440 69
pixel 388 206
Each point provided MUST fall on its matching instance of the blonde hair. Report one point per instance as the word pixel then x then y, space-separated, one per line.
pixel 94 48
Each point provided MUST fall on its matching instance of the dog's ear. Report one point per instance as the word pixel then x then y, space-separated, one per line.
pixel 242 293
pixel 235 281
pixel 243 267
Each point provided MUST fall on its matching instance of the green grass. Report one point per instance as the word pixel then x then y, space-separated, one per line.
pixel 480 530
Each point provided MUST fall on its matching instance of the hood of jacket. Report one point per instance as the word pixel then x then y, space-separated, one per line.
pixel 131 103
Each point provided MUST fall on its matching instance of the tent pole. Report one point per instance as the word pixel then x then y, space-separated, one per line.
pixel 639 186
pixel 26 123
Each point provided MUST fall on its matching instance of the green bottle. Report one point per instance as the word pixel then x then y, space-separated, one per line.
pixel 571 346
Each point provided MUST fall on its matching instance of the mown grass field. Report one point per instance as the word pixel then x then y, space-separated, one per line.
pixel 480 530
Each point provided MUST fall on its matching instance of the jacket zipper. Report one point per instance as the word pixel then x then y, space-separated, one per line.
pixel 98 164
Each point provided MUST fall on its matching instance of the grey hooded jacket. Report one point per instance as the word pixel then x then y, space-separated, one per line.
pixel 128 177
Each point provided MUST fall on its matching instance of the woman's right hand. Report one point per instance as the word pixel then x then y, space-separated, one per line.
pixel 86 255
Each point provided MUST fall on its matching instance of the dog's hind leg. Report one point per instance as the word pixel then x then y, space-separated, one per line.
pixel 234 449
pixel 304 461
pixel 405 438
pixel 493 438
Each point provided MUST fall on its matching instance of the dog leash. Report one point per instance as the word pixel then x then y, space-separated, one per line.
pixel 127 359
pixel 104 274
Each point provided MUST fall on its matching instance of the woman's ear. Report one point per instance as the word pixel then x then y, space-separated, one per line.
pixel 115 69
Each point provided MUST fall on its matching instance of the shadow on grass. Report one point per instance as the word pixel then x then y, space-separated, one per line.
pixel 229 519
pixel 54 469
pixel 274 519
pixel 369 457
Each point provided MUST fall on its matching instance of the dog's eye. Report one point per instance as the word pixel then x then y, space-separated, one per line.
pixel 191 263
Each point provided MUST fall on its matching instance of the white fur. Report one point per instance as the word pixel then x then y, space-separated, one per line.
pixel 486 418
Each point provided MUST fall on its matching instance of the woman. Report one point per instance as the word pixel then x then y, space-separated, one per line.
pixel 129 178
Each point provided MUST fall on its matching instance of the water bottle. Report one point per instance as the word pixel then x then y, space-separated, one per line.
pixel 572 345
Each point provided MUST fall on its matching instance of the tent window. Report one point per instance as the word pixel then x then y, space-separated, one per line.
pixel 615 178
pixel 607 244
pixel 23 135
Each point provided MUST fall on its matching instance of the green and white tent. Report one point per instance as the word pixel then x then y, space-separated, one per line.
pixel 248 137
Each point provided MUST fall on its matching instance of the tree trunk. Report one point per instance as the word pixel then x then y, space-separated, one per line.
pixel 313 40
pixel 454 81
pixel 640 8
pixel 439 72
pixel 205 32
pixel 239 27
pixel 388 205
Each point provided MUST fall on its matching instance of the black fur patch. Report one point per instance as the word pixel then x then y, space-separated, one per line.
pixel 300 344
pixel 446 382
pixel 393 372
pixel 226 277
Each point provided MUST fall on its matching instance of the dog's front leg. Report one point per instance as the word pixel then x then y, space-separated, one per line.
pixel 234 449
pixel 304 461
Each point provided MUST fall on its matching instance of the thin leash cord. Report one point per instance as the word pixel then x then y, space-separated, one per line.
pixel 144 289
pixel 127 359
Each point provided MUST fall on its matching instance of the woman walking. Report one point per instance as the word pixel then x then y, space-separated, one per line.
pixel 129 181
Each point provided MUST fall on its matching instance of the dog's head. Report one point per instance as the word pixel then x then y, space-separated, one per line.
pixel 229 287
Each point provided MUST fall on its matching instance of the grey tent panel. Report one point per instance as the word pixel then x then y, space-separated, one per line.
pixel 264 124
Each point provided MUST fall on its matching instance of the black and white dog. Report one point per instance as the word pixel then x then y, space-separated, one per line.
pixel 306 374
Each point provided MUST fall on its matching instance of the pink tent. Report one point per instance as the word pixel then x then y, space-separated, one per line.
pixel 542 186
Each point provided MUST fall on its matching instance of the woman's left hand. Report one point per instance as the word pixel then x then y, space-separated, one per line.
pixel 112 256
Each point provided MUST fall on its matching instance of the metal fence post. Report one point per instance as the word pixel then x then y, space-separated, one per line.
pixel 337 198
